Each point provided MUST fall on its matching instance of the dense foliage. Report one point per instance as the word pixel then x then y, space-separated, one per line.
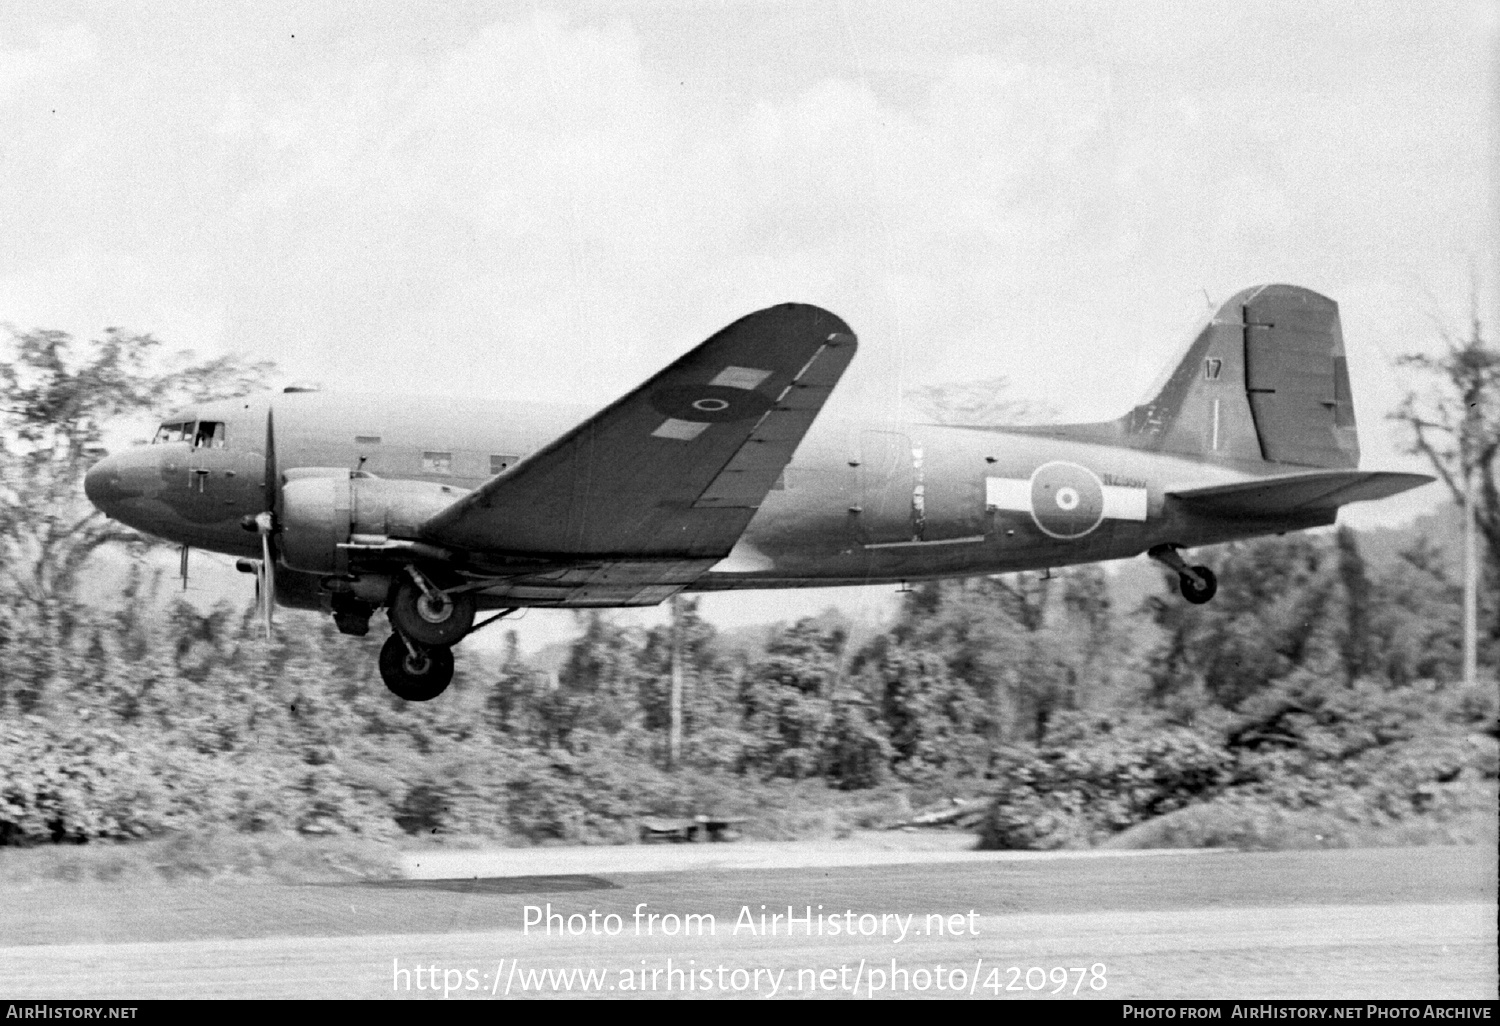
pixel 1080 720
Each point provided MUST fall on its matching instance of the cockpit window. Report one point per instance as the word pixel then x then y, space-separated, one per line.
pixel 210 435
pixel 203 434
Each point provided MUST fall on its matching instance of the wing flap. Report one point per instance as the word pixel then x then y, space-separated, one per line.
pixel 1295 493
pixel 677 467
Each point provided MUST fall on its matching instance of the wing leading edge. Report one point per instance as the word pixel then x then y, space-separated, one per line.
pixel 676 468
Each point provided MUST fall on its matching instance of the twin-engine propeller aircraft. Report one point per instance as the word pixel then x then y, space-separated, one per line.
pixel 714 476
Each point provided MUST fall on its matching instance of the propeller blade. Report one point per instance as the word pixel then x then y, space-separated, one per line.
pixel 266 522
pixel 273 469
pixel 266 588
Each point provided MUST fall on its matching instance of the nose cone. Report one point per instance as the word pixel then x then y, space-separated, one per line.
pixel 104 487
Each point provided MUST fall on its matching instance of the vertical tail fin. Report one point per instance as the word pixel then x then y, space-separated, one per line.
pixel 1264 380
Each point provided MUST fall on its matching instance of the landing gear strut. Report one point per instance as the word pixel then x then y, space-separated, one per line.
pixel 1197 583
pixel 416 661
pixel 413 671
pixel 429 615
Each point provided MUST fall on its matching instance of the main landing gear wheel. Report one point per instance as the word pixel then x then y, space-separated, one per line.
pixel 1199 591
pixel 432 617
pixel 1198 583
pixel 413 671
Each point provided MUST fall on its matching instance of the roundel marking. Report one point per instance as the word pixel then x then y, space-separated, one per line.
pixel 712 403
pixel 1067 500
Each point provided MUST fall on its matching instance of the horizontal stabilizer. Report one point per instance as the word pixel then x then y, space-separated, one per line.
pixel 1295 493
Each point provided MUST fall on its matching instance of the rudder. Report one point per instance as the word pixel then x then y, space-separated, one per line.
pixel 1265 380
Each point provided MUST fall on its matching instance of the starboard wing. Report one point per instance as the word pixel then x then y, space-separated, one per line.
pixel 677 467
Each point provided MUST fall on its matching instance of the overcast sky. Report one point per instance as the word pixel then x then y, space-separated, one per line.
pixel 552 200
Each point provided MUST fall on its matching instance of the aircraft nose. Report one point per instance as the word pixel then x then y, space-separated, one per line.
pixel 103 486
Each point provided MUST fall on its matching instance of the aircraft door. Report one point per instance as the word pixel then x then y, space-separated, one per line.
pixel 887 479
pixel 949 494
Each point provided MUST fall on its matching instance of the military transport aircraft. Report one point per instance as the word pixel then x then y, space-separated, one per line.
pixel 713 475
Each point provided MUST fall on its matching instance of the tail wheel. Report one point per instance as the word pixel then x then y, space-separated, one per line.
pixel 438 619
pixel 1200 591
pixel 415 672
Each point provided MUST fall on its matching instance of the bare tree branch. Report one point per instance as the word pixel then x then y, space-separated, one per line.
pixel 1462 407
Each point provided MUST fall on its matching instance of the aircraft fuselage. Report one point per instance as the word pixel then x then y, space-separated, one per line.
pixel 860 503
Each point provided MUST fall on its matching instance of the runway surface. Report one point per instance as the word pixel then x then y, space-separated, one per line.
pixel 1358 924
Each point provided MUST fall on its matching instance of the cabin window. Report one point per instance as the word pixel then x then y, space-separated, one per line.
pixel 501 462
pixel 210 435
pixel 172 433
pixel 437 463
pixel 366 439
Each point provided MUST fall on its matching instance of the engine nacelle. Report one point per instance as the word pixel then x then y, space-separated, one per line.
pixel 321 507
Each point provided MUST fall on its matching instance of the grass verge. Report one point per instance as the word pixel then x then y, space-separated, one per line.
pixel 205 858
pixel 1252 826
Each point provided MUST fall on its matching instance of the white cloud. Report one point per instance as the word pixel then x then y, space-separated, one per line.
pixel 59 52
pixel 88 289
pixel 1250 210
pixel 554 206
